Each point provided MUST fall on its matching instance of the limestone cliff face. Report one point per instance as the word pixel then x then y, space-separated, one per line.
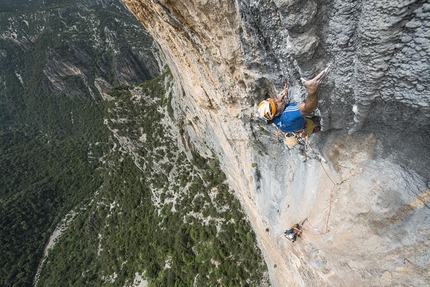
pixel 364 183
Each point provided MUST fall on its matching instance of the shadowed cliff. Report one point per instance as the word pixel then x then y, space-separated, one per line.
pixel 363 184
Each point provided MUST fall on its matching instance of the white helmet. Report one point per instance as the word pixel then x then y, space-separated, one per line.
pixel 267 108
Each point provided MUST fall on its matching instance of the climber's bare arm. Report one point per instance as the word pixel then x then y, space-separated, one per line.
pixel 285 89
pixel 281 101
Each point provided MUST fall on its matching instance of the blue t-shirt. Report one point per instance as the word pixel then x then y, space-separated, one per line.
pixel 291 119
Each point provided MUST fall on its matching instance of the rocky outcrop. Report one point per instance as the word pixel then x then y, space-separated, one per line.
pixel 363 184
pixel 78 45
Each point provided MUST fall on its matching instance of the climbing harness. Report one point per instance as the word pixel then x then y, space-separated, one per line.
pixel 294 138
pixel 300 137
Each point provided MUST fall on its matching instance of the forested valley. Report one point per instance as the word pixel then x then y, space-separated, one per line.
pixel 51 115
pixel 157 215
pixel 142 209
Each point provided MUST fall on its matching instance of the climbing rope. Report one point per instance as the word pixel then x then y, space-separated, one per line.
pixel 303 136
pixel 314 228
pixel 331 192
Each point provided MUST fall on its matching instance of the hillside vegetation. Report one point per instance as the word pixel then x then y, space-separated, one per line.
pixel 157 215
pixel 51 114
pixel 136 204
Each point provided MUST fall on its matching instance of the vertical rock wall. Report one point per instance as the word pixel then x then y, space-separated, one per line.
pixel 367 198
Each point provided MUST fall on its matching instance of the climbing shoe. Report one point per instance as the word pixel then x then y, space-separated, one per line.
pixel 316 129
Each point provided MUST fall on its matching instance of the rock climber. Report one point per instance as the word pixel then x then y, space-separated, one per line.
pixel 290 117
pixel 294 232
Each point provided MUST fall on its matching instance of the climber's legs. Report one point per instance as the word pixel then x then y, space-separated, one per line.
pixel 312 86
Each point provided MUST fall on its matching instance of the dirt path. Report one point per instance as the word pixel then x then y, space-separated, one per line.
pixel 61 227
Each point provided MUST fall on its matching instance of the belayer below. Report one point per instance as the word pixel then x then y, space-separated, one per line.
pixel 290 117
pixel 294 232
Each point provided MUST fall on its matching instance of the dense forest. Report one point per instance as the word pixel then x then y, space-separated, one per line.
pixel 158 215
pixel 45 170
pixel 139 208
pixel 51 138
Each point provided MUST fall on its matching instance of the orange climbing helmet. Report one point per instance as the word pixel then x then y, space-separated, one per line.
pixel 267 108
